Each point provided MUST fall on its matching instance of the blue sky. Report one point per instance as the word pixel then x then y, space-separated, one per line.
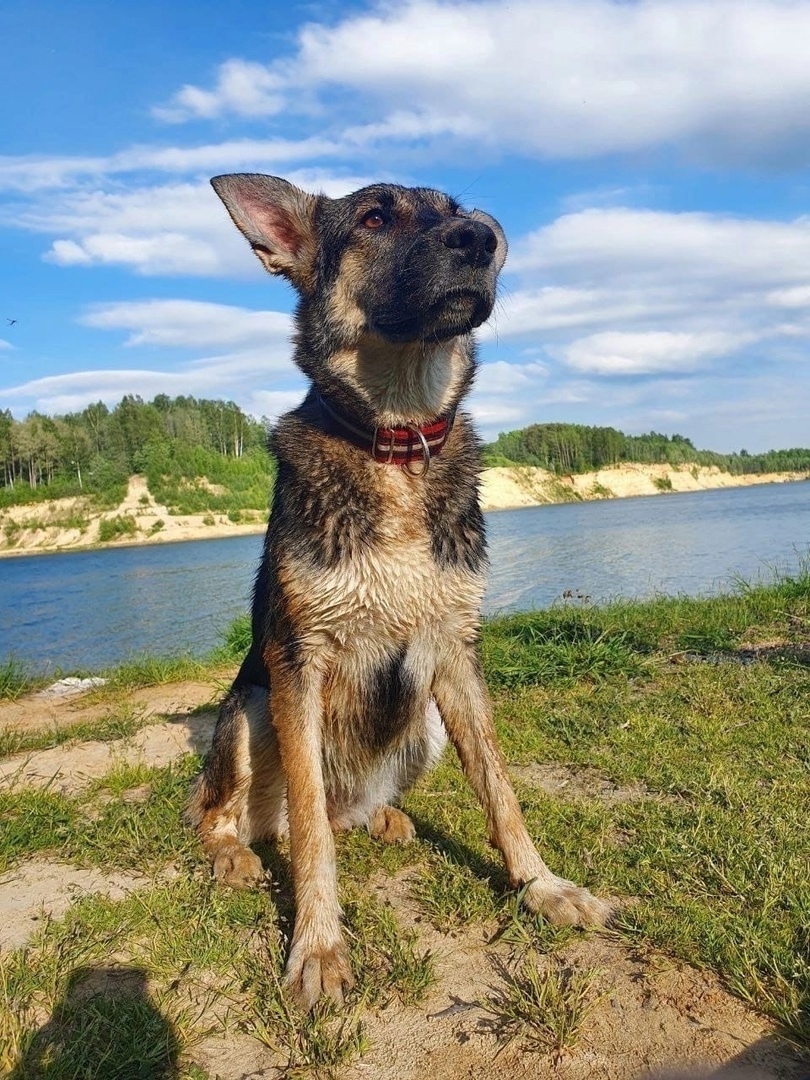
pixel 650 163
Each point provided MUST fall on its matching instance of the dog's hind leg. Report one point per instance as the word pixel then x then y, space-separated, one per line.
pixel 464 704
pixel 240 795
pixel 390 779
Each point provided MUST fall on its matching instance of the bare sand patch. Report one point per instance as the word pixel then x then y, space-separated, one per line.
pixel 42 888
pixel 37 713
pixel 70 768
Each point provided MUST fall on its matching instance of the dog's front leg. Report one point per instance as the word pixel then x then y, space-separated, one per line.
pixel 464 704
pixel 318 965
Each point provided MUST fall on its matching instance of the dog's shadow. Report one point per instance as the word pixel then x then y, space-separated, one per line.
pixel 104 1025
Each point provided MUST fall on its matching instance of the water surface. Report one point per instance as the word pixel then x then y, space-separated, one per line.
pixel 85 610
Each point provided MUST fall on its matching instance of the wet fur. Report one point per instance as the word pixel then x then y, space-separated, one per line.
pixel 366 604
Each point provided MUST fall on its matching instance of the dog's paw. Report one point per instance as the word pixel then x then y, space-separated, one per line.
pixel 563 903
pixel 391 825
pixel 237 866
pixel 316 973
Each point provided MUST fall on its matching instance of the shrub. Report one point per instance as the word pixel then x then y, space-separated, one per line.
pixel 116 528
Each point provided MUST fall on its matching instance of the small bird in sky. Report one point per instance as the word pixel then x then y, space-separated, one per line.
pixel 11 322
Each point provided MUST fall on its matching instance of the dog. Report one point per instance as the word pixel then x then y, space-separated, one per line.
pixel 366 606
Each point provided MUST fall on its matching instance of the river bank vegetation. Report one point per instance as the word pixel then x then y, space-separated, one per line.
pixel 576 448
pixel 201 456
pixel 197 455
pixel 660 754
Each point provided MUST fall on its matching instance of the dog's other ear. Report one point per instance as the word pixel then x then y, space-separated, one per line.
pixel 276 217
pixel 500 251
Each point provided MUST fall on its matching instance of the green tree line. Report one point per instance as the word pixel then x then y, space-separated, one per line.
pixel 576 448
pixel 174 441
pixel 201 455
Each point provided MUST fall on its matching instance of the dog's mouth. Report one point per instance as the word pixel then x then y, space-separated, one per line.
pixel 458 311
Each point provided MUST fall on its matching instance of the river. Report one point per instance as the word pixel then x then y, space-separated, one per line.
pixel 86 610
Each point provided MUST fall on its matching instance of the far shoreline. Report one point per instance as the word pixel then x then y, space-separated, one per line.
pixel 502 488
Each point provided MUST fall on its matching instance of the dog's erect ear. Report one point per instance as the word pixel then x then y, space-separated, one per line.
pixel 500 253
pixel 276 217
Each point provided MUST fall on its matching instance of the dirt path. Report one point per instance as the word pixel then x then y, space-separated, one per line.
pixel 651 1016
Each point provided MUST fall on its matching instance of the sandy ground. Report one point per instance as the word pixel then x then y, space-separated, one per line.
pixel 526 486
pixel 40 529
pixel 652 1016
pixel 25 530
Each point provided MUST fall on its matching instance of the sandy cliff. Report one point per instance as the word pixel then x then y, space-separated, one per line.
pixel 71 523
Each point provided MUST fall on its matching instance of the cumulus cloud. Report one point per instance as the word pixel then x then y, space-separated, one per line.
pixel 190 323
pixel 553 78
pixel 621 240
pixel 162 229
pixel 241 87
pixel 618 353
pixel 628 292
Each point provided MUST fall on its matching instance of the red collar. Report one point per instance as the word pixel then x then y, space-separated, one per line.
pixel 391 446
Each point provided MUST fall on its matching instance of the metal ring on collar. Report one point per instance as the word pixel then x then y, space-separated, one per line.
pixel 425 451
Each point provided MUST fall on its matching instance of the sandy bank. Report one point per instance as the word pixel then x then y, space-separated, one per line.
pixel 509 488
pixel 67 524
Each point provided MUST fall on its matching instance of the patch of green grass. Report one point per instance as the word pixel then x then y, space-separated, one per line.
pixel 153 671
pixel 388 957
pixel 14 680
pixel 142 835
pixel 33 821
pixel 451 894
pixel 236 639
pixel 560 645
pixel 543 1004
pixel 120 723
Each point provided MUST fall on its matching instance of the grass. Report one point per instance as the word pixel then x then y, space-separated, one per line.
pixel 542 1004
pixel 14 680
pixel 121 722
pixel 652 694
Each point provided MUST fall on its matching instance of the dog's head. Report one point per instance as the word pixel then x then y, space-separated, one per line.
pixel 405 264
pixel 391 280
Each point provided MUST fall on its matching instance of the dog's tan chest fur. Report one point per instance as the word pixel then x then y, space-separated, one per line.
pixel 395 593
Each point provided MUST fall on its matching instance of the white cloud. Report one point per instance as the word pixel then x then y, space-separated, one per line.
pixel 5 344
pixel 29 174
pixel 797 297
pixel 553 78
pixel 190 323
pixel 617 353
pixel 242 87
pixel 637 292
pixel 240 376
pixel 166 229
pixel 615 242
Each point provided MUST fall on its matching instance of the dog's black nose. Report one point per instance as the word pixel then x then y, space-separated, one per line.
pixel 472 239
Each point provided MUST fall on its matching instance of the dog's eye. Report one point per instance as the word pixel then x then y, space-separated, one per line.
pixel 373 219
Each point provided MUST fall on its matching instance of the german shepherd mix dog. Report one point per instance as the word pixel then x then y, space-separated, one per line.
pixel 366 604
